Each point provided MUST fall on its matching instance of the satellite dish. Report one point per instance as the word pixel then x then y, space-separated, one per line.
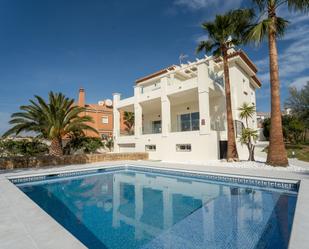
pixel 101 103
pixel 108 102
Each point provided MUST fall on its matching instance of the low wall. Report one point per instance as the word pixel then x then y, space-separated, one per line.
pixel 41 161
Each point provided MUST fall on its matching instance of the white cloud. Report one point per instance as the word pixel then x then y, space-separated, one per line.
pixel 300 82
pixel 198 39
pixel 201 4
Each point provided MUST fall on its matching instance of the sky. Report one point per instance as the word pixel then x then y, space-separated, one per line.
pixel 105 45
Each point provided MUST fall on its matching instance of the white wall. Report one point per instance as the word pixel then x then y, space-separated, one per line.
pixel 204 147
pixel 240 83
pixel 217 113
pixel 127 148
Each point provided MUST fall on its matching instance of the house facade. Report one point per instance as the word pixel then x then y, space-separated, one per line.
pixel 101 113
pixel 179 112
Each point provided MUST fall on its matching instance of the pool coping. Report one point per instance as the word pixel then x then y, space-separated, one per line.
pixel 22 219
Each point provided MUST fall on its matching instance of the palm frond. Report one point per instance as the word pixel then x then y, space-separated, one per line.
pixel 206 46
pixel 226 31
pixel 261 4
pixel 258 32
pixel 298 5
pixel 50 119
pixel 281 26
pixel 246 111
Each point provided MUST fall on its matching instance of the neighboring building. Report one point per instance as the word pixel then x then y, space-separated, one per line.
pixel 287 111
pixel 102 114
pixel 180 110
pixel 260 117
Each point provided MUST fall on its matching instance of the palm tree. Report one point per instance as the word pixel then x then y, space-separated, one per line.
pixel 224 33
pixel 246 111
pixel 128 121
pixel 272 26
pixel 54 120
pixel 248 135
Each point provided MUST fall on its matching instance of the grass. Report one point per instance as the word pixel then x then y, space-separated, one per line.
pixel 301 151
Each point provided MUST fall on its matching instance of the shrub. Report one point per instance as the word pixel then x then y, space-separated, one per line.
pixel 86 144
pixel 293 128
pixel 22 148
pixel 109 143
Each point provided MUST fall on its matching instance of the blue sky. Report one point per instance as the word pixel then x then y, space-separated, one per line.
pixel 104 45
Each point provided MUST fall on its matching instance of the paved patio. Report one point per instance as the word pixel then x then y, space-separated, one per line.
pixel 25 225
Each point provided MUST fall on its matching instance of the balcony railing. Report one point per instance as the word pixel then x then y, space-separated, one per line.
pixel 154 128
pixel 150 88
pixel 126 133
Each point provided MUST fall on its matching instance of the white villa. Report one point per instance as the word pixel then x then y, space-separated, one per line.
pixel 180 111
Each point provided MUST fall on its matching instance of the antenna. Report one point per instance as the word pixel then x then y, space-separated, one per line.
pixel 182 57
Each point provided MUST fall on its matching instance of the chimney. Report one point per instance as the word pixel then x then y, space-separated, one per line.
pixel 81 97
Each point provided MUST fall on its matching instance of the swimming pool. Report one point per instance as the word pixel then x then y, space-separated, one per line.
pixel 133 207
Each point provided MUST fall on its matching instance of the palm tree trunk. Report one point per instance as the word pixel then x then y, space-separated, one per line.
pixel 55 148
pixel 232 154
pixel 277 155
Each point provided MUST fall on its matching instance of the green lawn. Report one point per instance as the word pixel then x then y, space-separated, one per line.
pixel 301 151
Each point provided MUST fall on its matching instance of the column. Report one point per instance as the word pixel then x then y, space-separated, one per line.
pixel 203 97
pixel 165 109
pixel 138 120
pixel 138 112
pixel 116 120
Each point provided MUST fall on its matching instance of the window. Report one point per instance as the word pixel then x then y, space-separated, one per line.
pixel 244 86
pixel 104 136
pixel 150 147
pixel 238 127
pixel 183 147
pixel 195 121
pixel 189 121
pixel 105 120
pixel 156 126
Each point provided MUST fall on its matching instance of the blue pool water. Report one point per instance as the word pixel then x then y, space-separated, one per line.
pixel 137 209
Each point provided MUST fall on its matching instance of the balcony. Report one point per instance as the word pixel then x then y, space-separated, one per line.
pixel 151 116
pixel 151 87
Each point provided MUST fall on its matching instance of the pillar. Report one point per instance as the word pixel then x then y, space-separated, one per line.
pixel 116 120
pixel 203 97
pixel 165 109
pixel 138 120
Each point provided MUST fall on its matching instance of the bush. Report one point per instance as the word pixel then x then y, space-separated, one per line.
pixel 109 143
pixel 293 128
pixel 86 144
pixel 266 128
pixel 22 148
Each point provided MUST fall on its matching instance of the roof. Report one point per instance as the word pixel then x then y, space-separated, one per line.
pixel 239 53
pixel 256 80
pixel 97 107
pixel 245 58
pixel 158 73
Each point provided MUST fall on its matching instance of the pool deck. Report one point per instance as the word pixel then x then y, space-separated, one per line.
pixel 25 225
